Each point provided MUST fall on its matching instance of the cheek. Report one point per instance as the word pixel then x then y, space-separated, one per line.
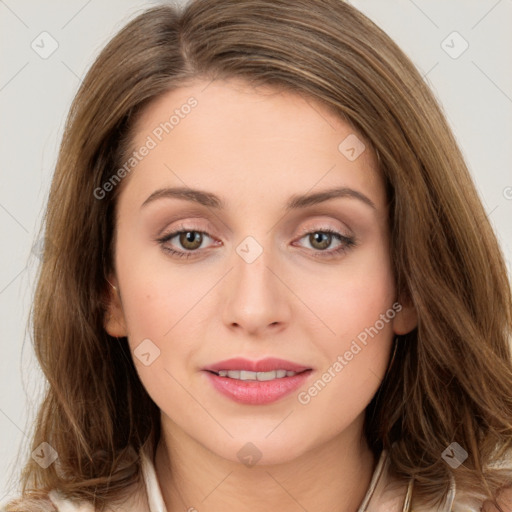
pixel 355 304
pixel 164 309
pixel 350 296
pixel 158 308
pixel 156 293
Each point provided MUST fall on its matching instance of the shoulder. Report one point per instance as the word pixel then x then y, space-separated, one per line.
pixel 392 494
pixel 54 501
pixel 136 497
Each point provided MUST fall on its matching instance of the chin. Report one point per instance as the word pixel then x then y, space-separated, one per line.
pixel 259 448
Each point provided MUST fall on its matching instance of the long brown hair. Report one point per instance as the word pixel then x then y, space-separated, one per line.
pixel 451 379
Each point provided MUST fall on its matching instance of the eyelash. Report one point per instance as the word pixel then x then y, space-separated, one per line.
pixel 347 243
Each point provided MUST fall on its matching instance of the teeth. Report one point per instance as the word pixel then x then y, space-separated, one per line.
pixel 260 376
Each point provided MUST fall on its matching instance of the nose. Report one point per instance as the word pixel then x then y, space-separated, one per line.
pixel 257 300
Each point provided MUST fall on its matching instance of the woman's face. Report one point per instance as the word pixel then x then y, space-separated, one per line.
pixel 256 273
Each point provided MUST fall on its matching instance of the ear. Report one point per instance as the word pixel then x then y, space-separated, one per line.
pixel 113 319
pixel 406 319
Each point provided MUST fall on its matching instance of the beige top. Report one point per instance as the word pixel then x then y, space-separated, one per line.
pixel 384 494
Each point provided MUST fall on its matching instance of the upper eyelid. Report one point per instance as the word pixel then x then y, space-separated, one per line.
pixel 186 226
pixel 318 225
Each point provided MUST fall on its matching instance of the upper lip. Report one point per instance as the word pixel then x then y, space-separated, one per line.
pixel 263 365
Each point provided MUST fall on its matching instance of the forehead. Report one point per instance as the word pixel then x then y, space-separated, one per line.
pixel 231 137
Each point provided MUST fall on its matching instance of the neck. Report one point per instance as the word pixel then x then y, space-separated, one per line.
pixel 333 477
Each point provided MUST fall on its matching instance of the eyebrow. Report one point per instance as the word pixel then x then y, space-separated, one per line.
pixel 294 203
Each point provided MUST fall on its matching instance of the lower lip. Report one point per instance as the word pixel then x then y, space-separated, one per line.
pixel 255 392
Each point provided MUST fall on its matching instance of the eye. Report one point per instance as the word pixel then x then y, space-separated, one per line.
pixel 321 239
pixel 189 239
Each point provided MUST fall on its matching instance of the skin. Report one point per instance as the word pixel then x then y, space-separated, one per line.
pixel 255 148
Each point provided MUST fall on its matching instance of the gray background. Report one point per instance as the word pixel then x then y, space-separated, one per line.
pixel 474 88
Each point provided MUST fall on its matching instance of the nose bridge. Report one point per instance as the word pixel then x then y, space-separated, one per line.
pixel 256 297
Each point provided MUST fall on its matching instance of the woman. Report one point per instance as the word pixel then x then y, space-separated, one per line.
pixel 268 279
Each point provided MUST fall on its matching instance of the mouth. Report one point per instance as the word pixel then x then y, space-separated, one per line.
pixel 256 382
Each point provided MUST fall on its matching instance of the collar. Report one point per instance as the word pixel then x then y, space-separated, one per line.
pixel 383 494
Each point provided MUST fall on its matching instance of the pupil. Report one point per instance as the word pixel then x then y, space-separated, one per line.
pixel 318 236
pixel 190 238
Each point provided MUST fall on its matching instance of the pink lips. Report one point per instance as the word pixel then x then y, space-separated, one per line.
pixel 253 392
